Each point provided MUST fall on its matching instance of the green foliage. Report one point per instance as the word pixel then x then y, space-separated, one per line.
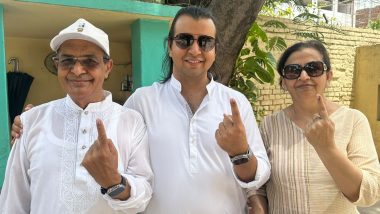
pixel 306 17
pixel 374 25
pixel 310 35
pixel 275 23
pixel 313 24
pixel 276 43
pixel 256 63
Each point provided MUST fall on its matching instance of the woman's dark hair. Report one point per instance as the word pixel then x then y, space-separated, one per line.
pixel 314 44
pixel 195 13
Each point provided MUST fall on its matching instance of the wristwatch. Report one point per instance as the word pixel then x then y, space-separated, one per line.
pixel 243 158
pixel 115 190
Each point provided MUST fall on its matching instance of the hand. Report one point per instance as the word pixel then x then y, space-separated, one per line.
pixel 17 125
pixel 320 131
pixel 16 128
pixel 257 204
pixel 231 135
pixel 28 106
pixel 101 159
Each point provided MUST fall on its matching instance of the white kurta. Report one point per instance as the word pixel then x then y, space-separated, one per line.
pixel 44 174
pixel 192 173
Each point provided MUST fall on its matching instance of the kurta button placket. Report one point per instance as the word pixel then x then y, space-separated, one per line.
pixel 84 130
pixel 193 147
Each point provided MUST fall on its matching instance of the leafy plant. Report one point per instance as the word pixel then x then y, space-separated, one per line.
pixel 374 25
pixel 256 63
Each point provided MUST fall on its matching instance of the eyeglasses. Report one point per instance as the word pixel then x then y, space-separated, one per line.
pixel 89 63
pixel 313 69
pixel 186 40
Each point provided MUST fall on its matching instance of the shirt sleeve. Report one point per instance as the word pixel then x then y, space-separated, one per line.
pixel 262 190
pixel 256 144
pixel 130 102
pixel 15 195
pixel 138 173
pixel 362 152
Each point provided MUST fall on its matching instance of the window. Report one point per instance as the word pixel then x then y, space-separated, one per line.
pixel 326 4
pixel 346 6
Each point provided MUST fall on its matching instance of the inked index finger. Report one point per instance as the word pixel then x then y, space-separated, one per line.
pixel 102 136
pixel 235 111
pixel 322 108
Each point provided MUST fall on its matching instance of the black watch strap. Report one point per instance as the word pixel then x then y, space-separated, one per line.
pixel 103 190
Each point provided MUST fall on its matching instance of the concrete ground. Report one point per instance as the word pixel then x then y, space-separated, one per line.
pixel 375 209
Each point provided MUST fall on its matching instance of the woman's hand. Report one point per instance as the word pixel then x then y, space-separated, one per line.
pixel 320 131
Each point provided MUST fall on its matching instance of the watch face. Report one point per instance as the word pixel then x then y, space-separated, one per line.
pixel 241 161
pixel 243 158
pixel 116 190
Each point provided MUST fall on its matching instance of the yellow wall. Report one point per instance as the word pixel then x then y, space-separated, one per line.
pixel 342 49
pixel 367 82
pixel 45 87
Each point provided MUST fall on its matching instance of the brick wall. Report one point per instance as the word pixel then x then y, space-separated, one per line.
pixel 342 49
pixel 364 15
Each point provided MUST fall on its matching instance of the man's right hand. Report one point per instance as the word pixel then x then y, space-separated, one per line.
pixel 17 125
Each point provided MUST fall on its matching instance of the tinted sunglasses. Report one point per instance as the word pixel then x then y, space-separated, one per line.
pixel 313 69
pixel 186 40
pixel 89 63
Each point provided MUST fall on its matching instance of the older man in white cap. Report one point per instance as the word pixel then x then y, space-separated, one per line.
pixel 83 153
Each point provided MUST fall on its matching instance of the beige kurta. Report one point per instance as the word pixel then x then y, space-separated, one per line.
pixel 300 183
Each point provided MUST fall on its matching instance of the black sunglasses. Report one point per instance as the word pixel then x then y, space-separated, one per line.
pixel 185 40
pixel 313 69
pixel 89 63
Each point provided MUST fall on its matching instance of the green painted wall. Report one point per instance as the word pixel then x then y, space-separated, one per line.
pixel 4 125
pixel 128 6
pixel 148 51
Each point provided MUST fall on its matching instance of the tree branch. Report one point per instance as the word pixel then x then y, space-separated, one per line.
pixel 234 19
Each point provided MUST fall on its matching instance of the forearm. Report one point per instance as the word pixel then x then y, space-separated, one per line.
pixel 246 172
pixel 346 175
pixel 257 204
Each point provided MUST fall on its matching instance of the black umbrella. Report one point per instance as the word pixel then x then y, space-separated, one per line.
pixel 18 87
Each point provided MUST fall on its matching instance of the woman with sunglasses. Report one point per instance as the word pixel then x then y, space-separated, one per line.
pixel 322 154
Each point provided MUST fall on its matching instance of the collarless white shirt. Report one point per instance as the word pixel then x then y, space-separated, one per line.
pixel 192 173
pixel 44 172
